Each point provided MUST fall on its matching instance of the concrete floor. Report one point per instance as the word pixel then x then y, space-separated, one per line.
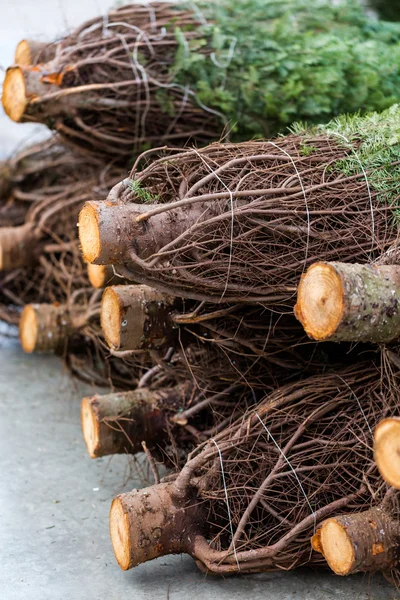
pixel 54 503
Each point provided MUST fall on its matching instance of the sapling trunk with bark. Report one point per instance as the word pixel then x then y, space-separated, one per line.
pixel 350 302
pixel 153 522
pixel 110 232
pixel 48 327
pixel 31 52
pixel 360 542
pixel 136 317
pixel 118 423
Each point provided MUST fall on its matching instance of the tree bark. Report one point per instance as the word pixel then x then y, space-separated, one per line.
pixel 18 246
pixel 153 522
pixel 119 423
pixel 367 541
pixel 47 327
pixel 136 317
pixel 387 450
pixel 31 52
pixel 355 303
pixel 110 232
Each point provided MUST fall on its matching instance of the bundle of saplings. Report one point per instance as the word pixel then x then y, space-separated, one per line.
pixel 242 222
pixel 186 397
pixel 251 498
pixel 144 76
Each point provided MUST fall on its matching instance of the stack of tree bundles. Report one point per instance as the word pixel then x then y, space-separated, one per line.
pixel 222 353
pixel 144 76
pixel 240 223
pixel 296 469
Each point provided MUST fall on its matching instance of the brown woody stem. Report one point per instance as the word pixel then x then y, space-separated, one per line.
pixel 152 522
pixel 136 317
pixel 46 327
pixel 119 423
pixel 18 246
pixel 31 52
pixel 367 541
pixel 109 232
pixel 344 302
pixel 387 450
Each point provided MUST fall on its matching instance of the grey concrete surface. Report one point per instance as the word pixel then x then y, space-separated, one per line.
pixel 54 503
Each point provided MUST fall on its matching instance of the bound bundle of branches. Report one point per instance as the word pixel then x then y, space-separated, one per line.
pixel 179 402
pixel 250 499
pixel 241 223
pixel 146 75
pixel 40 259
pixel 136 317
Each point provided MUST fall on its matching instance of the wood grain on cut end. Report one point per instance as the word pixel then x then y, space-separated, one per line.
pixel 119 531
pixel 98 275
pixel 23 55
pixel 387 450
pixel 337 547
pixel 14 93
pixel 89 232
pixel 28 329
pixel 90 428
pixel 111 317
pixel 319 305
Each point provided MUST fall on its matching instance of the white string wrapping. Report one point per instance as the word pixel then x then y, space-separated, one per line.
pixel 227 502
pixel 291 468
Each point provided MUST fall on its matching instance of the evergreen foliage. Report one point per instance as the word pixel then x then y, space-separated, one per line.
pixel 374 145
pixel 264 63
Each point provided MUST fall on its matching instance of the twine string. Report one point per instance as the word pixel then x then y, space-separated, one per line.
pixel 227 502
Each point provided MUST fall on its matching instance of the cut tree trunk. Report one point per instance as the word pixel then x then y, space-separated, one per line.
pixel 26 89
pixel 109 232
pixel 119 423
pixel 344 302
pixel 136 317
pixel 153 522
pixel 32 52
pixel 367 541
pixel 387 450
pixel 47 327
